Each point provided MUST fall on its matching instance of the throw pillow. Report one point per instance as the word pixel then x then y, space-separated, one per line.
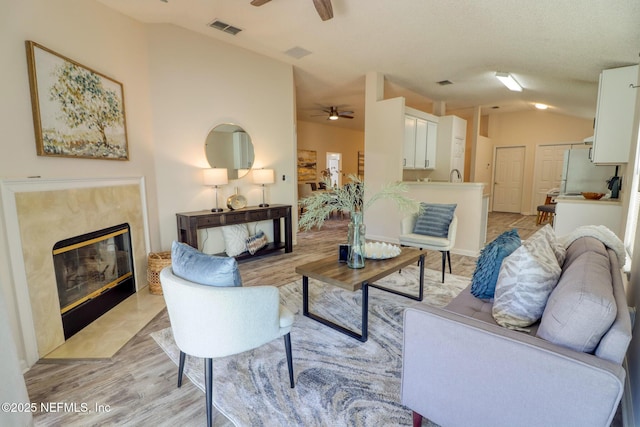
pixel 195 266
pixel 485 276
pixel 558 248
pixel 526 279
pixel 256 242
pixel 434 219
pixel 582 307
pixel 235 239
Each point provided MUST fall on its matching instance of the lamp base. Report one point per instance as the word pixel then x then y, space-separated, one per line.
pixel 216 210
pixel 263 205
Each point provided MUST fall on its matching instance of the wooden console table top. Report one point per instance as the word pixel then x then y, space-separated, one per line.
pixel 190 222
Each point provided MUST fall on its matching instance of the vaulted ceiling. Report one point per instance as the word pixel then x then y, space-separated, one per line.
pixel 554 48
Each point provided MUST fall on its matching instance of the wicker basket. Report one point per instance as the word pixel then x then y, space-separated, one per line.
pixel 157 261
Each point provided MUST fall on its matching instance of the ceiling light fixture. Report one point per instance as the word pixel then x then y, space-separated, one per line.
pixel 334 114
pixel 540 106
pixel 508 80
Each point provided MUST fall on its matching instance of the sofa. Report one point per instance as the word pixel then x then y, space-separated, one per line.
pixel 461 368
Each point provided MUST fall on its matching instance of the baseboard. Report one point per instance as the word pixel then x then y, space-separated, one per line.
pixel 628 419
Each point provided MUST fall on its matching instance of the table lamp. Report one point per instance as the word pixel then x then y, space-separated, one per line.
pixel 263 176
pixel 214 178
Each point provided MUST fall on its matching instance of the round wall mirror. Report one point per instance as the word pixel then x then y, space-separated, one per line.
pixel 229 146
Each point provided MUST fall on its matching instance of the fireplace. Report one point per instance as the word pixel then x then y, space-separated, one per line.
pixel 94 272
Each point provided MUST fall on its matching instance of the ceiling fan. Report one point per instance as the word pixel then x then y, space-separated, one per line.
pixel 322 6
pixel 335 114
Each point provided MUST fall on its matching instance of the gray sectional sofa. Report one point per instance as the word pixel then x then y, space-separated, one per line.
pixel 460 368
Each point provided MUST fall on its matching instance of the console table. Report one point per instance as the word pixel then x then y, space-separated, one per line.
pixel 190 222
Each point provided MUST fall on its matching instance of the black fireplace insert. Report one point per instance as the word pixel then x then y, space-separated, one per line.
pixel 94 273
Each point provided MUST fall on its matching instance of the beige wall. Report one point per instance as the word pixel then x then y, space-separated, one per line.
pixel 332 139
pixel 531 128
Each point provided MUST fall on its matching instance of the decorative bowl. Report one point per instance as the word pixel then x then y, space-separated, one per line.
pixel 380 250
pixel 592 196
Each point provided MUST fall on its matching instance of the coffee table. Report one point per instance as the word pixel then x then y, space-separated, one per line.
pixel 329 270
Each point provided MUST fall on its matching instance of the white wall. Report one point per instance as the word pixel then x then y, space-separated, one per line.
pixel 98 38
pixel 177 86
pixel 196 84
pixel 384 128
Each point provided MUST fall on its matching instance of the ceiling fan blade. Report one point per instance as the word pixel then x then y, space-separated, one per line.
pixel 259 2
pixel 342 116
pixel 345 112
pixel 324 8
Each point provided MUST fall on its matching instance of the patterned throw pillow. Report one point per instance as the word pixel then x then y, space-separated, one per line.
pixel 485 276
pixel 256 242
pixel 434 219
pixel 526 280
pixel 235 239
pixel 195 266
pixel 558 248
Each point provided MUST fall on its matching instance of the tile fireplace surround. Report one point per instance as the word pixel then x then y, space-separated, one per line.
pixel 40 212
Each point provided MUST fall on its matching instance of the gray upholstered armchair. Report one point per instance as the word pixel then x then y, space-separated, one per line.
pixel 211 322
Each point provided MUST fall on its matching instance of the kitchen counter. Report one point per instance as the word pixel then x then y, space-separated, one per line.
pixel 457 185
pixel 575 211
pixel 580 199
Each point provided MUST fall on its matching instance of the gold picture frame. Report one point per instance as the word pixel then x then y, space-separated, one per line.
pixel 77 112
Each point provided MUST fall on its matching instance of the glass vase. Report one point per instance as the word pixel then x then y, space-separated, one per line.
pixel 356 241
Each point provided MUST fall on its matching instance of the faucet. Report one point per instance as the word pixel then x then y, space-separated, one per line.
pixel 457 173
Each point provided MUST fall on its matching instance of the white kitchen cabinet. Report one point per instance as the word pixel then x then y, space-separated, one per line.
pixel 614 115
pixel 420 139
pixel 572 213
pixel 451 142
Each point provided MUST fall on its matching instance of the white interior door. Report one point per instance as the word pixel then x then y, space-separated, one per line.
pixel 507 186
pixel 548 171
pixel 334 164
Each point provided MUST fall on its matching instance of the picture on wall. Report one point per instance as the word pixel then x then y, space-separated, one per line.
pixel 77 112
pixel 307 163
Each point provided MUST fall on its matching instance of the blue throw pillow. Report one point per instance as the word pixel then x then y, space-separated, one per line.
pixel 485 276
pixel 434 219
pixel 195 266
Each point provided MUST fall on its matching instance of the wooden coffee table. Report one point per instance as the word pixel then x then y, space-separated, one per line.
pixel 330 270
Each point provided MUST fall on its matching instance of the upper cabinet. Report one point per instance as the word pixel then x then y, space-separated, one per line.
pixel 420 139
pixel 452 135
pixel 614 115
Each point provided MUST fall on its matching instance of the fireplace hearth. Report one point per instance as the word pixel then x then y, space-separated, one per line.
pixel 94 273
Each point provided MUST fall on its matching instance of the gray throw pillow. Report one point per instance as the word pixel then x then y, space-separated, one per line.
pixel 582 308
pixel 434 219
pixel 195 266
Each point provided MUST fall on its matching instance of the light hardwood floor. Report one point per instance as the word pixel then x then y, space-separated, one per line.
pixel 138 384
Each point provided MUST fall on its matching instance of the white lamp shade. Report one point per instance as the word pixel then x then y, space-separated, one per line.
pixel 215 176
pixel 263 176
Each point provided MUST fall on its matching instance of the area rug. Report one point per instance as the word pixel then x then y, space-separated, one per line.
pixel 339 381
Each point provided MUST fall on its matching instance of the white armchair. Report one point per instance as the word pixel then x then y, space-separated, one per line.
pixel 211 321
pixel 442 244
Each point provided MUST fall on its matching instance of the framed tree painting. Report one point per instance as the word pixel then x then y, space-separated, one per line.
pixel 77 112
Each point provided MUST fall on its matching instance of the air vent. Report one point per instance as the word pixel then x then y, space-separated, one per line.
pixel 445 82
pixel 297 52
pixel 223 26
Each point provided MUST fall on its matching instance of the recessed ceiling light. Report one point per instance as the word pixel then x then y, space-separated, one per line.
pixel 540 106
